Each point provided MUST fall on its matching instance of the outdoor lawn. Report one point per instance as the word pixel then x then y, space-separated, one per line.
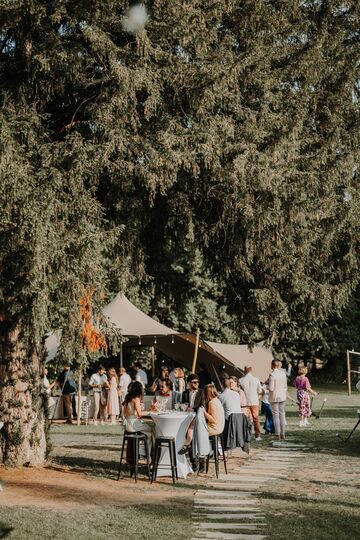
pixel 77 494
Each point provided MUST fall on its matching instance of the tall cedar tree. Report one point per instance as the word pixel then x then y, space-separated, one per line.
pixel 239 119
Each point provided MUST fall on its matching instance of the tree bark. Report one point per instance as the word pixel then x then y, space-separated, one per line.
pixel 22 406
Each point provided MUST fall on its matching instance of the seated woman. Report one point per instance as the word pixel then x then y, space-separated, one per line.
pixel 213 410
pixel 209 420
pixel 134 412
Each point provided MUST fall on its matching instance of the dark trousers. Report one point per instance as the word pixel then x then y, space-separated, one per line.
pixel 67 399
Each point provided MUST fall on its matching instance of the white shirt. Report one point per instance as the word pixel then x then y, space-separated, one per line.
pixel 277 386
pixel 192 395
pixel 230 400
pixel 124 382
pixel 96 378
pixel 141 377
pixel 252 388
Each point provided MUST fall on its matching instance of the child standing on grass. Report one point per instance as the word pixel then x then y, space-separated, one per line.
pixel 303 387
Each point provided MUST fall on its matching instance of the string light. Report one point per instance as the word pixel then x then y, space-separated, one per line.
pixel 155 341
pixel 172 340
pixel 139 340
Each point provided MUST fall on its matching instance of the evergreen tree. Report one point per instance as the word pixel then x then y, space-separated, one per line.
pixel 237 119
pixel 282 198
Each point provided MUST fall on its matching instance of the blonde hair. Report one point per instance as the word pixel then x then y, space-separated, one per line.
pixel 210 392
pixel 302 370
pixel 180 373
pixel 112 373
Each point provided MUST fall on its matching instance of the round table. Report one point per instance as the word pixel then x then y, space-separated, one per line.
pixel 173 424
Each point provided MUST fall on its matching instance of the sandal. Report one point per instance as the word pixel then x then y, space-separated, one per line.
pixel 184 450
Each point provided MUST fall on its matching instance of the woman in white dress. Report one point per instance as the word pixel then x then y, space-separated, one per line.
pixel 134 411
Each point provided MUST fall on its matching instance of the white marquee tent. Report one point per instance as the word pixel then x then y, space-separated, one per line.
pixel 141 330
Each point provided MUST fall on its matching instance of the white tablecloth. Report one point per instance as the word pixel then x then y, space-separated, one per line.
pixel 173 424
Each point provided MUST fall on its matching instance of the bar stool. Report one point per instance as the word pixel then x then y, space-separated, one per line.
pixel 160 443
pixel 214 439
pixel 134 440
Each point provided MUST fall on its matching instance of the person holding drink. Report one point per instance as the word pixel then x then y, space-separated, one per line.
pixel 166 398
pixel 99 382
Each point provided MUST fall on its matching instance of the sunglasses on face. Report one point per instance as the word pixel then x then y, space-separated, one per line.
pixel 194 382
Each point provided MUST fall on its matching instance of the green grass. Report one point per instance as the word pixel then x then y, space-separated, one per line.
pixel 148 521
pixel 319 500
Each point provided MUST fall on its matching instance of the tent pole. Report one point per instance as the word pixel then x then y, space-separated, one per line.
pixel 121 354
pixel 348 372
pixel 79 398
pixel 153 360
pixel 196 350
pixel 216 375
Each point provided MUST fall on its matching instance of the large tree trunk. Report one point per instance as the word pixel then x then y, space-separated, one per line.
pixel 21 404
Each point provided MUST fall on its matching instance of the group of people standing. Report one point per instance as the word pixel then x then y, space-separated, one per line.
pixel 118 394
pixel 274 395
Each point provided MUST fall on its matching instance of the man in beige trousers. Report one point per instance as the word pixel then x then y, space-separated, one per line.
pixel 277 398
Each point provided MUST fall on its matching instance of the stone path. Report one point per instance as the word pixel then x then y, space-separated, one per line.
pixel 229 508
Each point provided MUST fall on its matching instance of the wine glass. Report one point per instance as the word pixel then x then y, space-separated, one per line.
pixel 177 406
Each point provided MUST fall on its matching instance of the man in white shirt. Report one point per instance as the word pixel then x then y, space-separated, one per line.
pixel 98 381
pixel 252 389
pixel 124 382
pixel 230 400
pixel 140 374
pixel 277 398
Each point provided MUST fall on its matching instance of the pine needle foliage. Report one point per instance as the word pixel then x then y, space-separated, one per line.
pixel 237 120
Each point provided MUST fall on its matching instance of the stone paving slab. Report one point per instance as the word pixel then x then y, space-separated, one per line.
pixel 260 475
pixel 228 509
pixel 230 516
pixel 289 444
pixel 212 492
pixel 228 526
pixel 243 486
pixel 229 536
pixel 283 452
pixel 254 470
pixel 224 502
pixel 240 478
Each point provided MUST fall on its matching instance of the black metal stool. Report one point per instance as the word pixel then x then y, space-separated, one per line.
pixel 160 443
pixel 214 439
pixel 134 439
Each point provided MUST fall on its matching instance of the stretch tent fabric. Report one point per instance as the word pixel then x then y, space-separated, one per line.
pixel 132 321
pixel 141 330
pixel 259 358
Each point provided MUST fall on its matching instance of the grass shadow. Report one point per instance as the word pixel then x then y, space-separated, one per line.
pixel 5 530
pixel 297 517
pixel 325 441
pixel 88 465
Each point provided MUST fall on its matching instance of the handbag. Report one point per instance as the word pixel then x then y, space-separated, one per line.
pixel 103 397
